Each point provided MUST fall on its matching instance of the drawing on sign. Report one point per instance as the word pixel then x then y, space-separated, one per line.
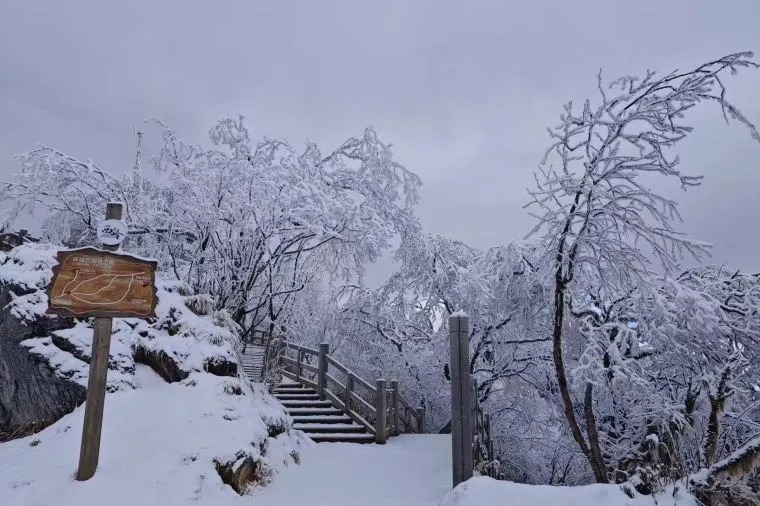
pixel 82 289
pixel 112 232
pixel 91 282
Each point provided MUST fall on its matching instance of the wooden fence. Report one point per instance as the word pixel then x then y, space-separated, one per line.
pixel 256 337
pixel 380 408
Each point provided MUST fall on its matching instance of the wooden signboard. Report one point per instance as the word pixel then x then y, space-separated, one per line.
pixel 93 282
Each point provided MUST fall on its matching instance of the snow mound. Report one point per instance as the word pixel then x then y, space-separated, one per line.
pixel 181 420
pixel 29 266
pixel 160 444
pixel 483 491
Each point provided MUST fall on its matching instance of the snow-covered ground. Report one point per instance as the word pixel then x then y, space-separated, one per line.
pixel 159 441
pixel 409 470
pixel 415 470
pixel 481 491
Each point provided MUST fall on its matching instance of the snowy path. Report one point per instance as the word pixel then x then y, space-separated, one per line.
pixel 410 470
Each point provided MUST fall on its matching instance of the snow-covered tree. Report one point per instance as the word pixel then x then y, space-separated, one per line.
pixel 605 229
pixel 250 224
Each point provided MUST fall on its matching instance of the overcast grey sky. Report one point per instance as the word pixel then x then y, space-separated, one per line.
pixel 464 90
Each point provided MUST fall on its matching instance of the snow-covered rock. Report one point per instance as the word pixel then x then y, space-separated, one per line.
pixel 32 393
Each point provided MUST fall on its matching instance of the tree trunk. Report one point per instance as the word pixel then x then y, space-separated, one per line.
pixel 717 405
pixel 597 461
pixel 559 369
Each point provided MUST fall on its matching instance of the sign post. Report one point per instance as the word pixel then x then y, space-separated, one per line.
pixel 102 284
pixel 89 451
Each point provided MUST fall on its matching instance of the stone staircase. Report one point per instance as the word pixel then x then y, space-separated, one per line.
pixel 320 420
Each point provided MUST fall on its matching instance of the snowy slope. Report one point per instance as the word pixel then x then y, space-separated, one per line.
pixel 170 427
pixel 158 448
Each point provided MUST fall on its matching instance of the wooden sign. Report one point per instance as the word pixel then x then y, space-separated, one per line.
pixel 93 282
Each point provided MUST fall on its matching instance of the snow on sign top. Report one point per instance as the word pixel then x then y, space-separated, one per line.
pixel 112 232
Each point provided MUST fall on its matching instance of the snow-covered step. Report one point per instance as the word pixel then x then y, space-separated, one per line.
pixel 305 403
pixel 342 438
pixel 288 388
pixel 314 411
pixel 253 362
pixel 298 396
pixel 328 427
pixel 320 419
pixel 292 390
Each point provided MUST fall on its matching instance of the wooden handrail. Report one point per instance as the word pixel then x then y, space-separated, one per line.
pixel 337 365
pixel 366 384
pixel 299 347
pixel 380 408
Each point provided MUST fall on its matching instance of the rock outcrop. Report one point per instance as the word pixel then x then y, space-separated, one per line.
pixel 32 396
pixel 241 473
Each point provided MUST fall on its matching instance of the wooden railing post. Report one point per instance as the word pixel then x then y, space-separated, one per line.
pixel 395 422
pixel 321 378
pixel 461 398
pixel 349 389
pixel 421 420
pixel 299 358
pixel 380 407
pixel 489 447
